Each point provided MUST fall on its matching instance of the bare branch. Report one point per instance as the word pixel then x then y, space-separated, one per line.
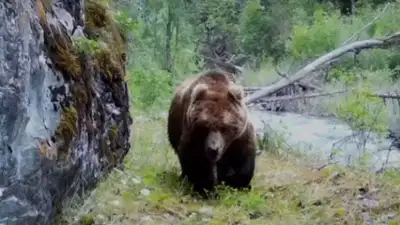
pixel 279 72
pixel 308 69
pixel 225 64
pixel 315 95
pixel 387 96
pixel 251 89
pixel 294 97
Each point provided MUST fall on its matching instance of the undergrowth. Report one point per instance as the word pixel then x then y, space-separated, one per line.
pixel 286 191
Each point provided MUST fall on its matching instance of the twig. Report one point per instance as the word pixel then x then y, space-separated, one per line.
pixel 355 46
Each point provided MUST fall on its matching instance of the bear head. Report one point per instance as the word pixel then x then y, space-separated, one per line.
pixel 217 115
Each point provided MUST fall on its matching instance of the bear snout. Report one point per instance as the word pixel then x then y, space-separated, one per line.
pixel 213 152
pixel 214 145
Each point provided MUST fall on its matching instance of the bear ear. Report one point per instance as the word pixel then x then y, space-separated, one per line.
pixel 198 91
pixel 236 92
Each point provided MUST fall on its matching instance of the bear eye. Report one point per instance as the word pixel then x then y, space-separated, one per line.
pixel 225 129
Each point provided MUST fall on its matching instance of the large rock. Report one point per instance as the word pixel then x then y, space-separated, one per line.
pixel 64 108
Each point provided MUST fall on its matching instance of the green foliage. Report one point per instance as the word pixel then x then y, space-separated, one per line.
pixel 150 88
pixel 309 41
pixel 270 141
pixel 364 112
pixel 219 15
pixel 86 220
pixel 261 33
pixel 86 45
pixel 178 32
pixel 125 22
pixel 347 73
pixel 392 175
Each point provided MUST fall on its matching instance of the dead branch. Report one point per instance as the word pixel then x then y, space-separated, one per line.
pixel 315 95
pixel 309 86
pixel 308 69
pixel 387 96
pixel 294 97
pixel 228 65
pixel 251 89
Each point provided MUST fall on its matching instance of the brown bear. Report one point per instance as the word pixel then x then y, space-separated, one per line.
pixel 209 130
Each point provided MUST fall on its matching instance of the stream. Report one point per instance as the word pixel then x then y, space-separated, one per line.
pixel 318 136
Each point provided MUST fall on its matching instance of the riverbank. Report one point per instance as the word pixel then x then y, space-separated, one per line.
pixel 286 191
pixel 329 139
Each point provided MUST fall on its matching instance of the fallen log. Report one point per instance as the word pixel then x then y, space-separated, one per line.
pixel 308 86
pixel 308 69
pixel 384 95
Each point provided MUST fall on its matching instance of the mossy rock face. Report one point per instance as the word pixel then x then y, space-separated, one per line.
pixel 98 94
pixel 92 133
pixel 65 108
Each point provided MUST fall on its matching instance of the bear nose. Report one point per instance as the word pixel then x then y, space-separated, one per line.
pixel 213 151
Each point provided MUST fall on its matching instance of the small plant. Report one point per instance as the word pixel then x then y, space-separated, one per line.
pixel 125 22
pixel 84 45
pixel 367 115
pixel 270 141
pixel 364 112
pixel 150 87
pixel 86 220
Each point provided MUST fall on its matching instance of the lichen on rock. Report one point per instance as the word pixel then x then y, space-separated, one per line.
pixel 64 117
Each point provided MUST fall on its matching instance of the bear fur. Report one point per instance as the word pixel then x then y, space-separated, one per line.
pixel 210 132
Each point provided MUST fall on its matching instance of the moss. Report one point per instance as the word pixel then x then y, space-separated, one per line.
pixel 111 153
pixel 61 52
pixel 113 131
pixel 42 7
pixel 108 153
pixel 108 66
pixel 43 147
pixel 59 45
pixel 86 220
pixel 81 97
pixel 96 15
pixel 100 25
pixel 67 60
pixel 41 11
pixel 66 130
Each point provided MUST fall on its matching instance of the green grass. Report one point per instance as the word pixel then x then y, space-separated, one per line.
pixel 285 192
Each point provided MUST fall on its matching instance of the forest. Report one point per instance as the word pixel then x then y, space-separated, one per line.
pixel 171 39
pixel 262 42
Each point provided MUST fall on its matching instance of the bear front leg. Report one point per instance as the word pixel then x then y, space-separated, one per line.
pixel 183 148
pixel 195 167
pixel 241 177
pixel 205 186
pixel 239 165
